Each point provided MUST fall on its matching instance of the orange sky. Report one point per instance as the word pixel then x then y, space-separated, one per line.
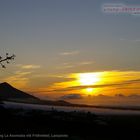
pixel 91 83
pixel 70 48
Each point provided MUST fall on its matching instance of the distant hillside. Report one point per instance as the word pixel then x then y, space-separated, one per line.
pixel 9 93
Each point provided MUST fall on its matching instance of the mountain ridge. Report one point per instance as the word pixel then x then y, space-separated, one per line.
pixel 10 93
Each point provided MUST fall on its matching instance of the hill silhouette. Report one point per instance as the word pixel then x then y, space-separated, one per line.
pixel 9 93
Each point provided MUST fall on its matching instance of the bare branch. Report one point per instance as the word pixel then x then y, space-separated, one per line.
pixel 6 59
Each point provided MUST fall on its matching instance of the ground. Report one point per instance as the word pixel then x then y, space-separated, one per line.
pixel 68 125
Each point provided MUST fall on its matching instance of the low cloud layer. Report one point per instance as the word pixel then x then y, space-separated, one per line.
pixel 71 96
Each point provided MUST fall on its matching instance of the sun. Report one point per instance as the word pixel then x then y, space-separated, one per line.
pixel 85 83
pixel 86 79
pixel 88 91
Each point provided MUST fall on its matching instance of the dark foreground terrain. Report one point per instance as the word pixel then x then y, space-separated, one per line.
pixel 37 124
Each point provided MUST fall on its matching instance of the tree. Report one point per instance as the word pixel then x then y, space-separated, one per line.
pixel 6 59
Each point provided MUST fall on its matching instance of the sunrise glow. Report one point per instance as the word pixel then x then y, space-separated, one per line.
pixel 89 91
pixel 73 56
pixel 70 68
pixel 88 78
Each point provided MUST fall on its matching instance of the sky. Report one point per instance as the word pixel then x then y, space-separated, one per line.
pixel 70 47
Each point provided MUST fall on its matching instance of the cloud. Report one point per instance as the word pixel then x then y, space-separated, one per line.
pixel 133 81
pixel 86 63
pixel 131 40
pixel 110 83
pixel 20 79
pixel 69 53
pixel 137 40
pixel 30 66
pixel 72 65
pixel 66 66
pixel 99 86
pixel 71 96
pixel 134 96
pixel 119 95
pixel 21 73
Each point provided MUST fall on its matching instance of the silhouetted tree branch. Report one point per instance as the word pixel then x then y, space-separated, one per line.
pixel 6 59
